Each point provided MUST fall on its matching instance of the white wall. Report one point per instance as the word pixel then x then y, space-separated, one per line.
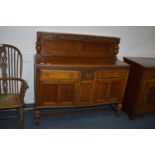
pixel 135 41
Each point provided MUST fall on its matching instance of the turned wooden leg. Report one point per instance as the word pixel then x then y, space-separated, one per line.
pixel 21 117
pixel 118 110
pixel 37 117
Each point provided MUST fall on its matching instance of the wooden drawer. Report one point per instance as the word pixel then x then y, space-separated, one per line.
pixel 58 75
pixel 110 74
pixel 149 74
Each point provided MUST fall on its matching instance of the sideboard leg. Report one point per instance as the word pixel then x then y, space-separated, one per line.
pixel 118 110
pixel 37 117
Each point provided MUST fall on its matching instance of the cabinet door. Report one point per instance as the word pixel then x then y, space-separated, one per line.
pixel 57 93
pixel 108 90
pixel 57 88
pixel 148 94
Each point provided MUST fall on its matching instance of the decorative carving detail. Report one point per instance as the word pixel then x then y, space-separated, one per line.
pixel 116 49
pixel 3 66
pixel 106 44
pixel 38 46
pixel 87 75
pixel 150 96
pixel 3 61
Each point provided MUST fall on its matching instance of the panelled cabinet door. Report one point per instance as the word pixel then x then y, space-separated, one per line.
pixel 148 96
pixel 57 88
pixel 58 93
pixel 108 90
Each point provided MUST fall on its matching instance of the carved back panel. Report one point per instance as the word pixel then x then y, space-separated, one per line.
pixel 10 61
pixel 10 67
pixel 75 45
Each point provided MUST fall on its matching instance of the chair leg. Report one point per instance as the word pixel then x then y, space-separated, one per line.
pixel 21 117
pixel 37 117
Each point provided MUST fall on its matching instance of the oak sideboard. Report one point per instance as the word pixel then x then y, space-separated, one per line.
pixel 74 70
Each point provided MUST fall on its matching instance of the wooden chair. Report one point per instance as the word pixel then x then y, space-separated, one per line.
pixel 12 86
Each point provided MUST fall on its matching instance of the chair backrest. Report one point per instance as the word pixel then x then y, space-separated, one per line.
pixel 11 61
pixel 11 64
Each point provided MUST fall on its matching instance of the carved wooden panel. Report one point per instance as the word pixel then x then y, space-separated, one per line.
pixel 148 97
pixel 73 45
pixel 87 75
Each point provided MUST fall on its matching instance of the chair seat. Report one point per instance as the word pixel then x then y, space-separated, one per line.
pixel 10 101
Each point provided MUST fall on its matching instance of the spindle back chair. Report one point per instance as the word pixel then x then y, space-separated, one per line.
pixel 12 86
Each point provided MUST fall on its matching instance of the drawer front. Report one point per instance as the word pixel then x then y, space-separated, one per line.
pixel 111 74
pixel 58 75
pixel 149 74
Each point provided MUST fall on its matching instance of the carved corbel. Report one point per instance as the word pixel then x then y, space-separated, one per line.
pixel 38 46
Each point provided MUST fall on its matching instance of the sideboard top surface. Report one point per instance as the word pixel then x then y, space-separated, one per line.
pixel 43 60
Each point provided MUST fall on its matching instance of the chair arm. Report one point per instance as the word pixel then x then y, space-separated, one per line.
pixel 24 85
